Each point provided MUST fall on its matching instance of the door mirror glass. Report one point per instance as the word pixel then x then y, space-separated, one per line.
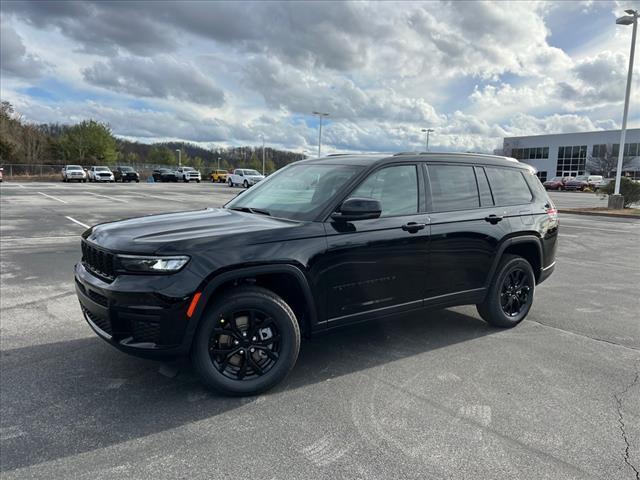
pixel 358 209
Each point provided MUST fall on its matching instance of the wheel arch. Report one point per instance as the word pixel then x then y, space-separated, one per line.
pixel 527 246
pixel 285 280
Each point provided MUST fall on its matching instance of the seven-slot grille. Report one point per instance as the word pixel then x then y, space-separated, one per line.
pixel 98 261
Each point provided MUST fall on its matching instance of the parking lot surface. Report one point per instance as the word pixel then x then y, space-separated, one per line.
pixel 435 395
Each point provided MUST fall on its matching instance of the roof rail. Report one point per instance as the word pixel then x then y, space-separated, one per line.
pixel 338 154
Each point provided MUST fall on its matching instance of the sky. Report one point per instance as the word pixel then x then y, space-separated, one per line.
pixel 222 74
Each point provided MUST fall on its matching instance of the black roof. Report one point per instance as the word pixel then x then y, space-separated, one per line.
pixel 447 157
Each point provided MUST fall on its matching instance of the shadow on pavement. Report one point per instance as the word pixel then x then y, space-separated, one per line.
pixel 66 398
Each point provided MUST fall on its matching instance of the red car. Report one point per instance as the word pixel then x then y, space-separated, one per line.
pixel 557 183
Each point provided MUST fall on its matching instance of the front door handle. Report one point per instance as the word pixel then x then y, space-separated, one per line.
pixel 493 219
pixel 413 227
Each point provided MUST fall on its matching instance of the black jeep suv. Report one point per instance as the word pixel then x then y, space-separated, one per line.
pixel 319 244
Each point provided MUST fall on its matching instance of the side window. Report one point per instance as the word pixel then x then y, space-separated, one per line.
pixel 508 186
pixel 486 200
pixel 395 187
pixel 453 187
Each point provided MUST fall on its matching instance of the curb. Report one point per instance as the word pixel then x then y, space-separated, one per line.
pixel 597 214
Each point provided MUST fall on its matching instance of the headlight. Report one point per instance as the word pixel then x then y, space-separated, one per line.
pixel 140 264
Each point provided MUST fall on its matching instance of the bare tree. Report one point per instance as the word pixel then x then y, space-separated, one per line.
pixel 605 162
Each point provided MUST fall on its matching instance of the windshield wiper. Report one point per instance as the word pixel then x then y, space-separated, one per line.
pixel 261 211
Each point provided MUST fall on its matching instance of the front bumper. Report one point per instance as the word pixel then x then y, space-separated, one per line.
pixel 147 323
pixel 103 179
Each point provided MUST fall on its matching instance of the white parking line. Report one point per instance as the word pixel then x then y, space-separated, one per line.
pixel 168 197
pixel 51 196
pixel 79 223
pixel 107 196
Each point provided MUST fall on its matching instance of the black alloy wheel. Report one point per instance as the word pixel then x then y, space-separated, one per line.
pixel 514 295
pixel 246 342
pixel 510 295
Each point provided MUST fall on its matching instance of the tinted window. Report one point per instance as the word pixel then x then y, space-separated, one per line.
pixel 395 187
pixel 508 186
pixel 486 200
pixel 453 187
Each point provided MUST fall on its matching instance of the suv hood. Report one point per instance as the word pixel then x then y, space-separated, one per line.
pixel 167 231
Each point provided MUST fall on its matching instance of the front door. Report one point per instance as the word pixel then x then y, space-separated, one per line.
pixel 378 266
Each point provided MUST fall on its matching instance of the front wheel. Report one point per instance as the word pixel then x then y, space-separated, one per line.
pixel 230 183
pixel 246 184
pixel 247 342
pixel 510 294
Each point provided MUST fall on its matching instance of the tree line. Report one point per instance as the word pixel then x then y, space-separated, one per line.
pixel 92 143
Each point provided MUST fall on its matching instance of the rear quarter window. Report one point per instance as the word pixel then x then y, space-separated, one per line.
pixel 508 186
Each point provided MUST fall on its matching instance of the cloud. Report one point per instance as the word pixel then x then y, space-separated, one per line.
pixel 159 77
pixel 14 58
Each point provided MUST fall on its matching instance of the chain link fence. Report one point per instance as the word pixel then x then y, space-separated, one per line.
pixel 35 172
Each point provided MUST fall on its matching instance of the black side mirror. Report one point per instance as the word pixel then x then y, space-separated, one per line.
pixel 358 209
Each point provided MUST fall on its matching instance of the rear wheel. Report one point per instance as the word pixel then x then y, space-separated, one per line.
pixel 510 295
pixel 247 342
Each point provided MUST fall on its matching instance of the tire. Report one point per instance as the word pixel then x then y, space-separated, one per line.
pixel 197 181
pixel 138 181
pixel 512 270
pixel 230 183
pixel 245 184
pixel 274 313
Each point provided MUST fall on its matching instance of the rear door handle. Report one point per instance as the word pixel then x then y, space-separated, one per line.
pixel 493 219
pixel 413 227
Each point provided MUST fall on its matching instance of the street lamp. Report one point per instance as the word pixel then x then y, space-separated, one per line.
pixel 219 158
pixel 427 131
pixel 631 19
pixel 179 157
pixel 262 136
pixel 320 115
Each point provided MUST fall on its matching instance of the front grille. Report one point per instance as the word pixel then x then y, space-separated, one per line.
pixel 98 261
pixel 102 323
pixel 145 332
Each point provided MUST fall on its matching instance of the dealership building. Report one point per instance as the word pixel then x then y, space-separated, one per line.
pixel 571 154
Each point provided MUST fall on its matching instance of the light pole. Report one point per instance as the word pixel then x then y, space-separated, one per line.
pixel 262 136
pixel 631 19
pixel 179 157
pixel 218 163
pixel 427 131
pixel 320 115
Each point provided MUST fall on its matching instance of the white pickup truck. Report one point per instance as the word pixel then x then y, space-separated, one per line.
pixel 186 174
pixel 245 177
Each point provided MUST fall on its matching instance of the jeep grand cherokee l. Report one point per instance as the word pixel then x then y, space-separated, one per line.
pixel 319 244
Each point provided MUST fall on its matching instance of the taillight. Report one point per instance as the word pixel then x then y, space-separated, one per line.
pixel 553 213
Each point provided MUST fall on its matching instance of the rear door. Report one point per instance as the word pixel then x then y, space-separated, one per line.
pixel 512 194
pixel 379 266
pixel 466 228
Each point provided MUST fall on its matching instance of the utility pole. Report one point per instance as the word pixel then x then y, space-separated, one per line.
pixel 617 201
pixel 427 131
pixel 262 136
pixel 320 115
pixel 179 157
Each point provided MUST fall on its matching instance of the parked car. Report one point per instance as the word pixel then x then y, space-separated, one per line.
pixel 556 183
pixel 597 186
pixel 187 174
pixel 351 238
pixel 245 177
pixel 100 174
pixel 126 174
pixel 582 181
pixel 219 176
pixel 164 175
pixel 71 173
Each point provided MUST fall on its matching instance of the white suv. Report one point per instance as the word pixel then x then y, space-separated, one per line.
pixel 186 174
pixel 101 174
pixel 244 177
pixel 73 173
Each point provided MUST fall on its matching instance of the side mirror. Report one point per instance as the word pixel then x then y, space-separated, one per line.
pixel 358 209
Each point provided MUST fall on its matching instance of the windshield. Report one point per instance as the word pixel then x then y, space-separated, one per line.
pixel 74 167
pixel 251 172
pixel 102 169
pixel 126 169
pixel 581 178
pixel 298 192
pixel 187 168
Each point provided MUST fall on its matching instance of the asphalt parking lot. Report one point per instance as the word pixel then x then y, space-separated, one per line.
pixel 437 395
